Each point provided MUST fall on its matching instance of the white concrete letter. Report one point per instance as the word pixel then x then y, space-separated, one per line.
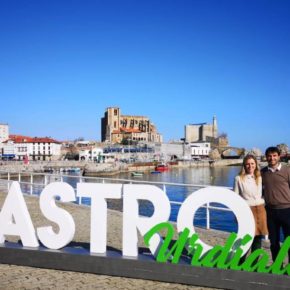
pixel 15 219
pixel 243 213
pixel 98 193
pixel 132 221
pixel 58 215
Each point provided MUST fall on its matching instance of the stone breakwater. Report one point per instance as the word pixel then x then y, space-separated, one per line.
pixel 20 277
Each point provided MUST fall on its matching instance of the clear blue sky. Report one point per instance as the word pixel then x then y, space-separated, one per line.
pixel 62 63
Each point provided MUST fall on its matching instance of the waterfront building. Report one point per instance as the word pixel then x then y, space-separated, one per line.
pixel 4 132
pixel 201 132
pixel 172 151
pixel 93 154
pixel 200 149
pixel 204 132
pixel 8 150
pixel 116 128
pixel 20 147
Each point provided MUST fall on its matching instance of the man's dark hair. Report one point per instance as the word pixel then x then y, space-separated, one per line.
pixel 272 150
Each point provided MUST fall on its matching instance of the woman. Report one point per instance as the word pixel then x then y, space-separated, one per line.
pixel 248 184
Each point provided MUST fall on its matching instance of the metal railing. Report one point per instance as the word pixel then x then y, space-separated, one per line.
pixel 35 182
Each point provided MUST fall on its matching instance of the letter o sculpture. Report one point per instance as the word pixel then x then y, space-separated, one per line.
pixel 243 213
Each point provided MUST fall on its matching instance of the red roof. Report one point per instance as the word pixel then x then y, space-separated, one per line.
pixel 26 139
pixel 126 130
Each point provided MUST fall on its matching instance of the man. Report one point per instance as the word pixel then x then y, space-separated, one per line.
pixel 276 186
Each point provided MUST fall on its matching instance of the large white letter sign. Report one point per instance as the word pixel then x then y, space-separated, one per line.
pixel 15 219
pixel 243 213
pixel 132 221
pixel 58 215
pixel 98 193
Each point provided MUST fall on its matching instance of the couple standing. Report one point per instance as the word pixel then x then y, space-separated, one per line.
pixel 270 187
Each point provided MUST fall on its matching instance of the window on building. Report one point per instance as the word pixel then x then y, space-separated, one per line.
pixel 115 112
pixel 115 124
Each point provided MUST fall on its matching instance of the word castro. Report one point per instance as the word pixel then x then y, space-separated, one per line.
pixel 222 257
pixel 15 218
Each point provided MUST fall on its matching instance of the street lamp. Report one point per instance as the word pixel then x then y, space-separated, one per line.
pixel 129 149
pixel 183 146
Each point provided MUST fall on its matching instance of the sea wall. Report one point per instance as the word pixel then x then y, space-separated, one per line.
pixel 93 169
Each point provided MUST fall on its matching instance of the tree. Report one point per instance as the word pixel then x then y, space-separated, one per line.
pixel 72 153
pixel 223 135
pixel 283 148
pixel 214 154
pixel 128 141
pixel 256 152
pixel 79 139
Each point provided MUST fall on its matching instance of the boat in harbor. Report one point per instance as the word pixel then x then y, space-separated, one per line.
pixel 137 174
pixel 155 172
pixel 70 169
pixel 161 167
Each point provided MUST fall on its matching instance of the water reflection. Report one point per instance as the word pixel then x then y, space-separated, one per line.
pixel 220 176
pixel 215 176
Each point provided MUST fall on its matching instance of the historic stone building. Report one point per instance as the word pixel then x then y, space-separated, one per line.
pixel 201 132
pixel 116 127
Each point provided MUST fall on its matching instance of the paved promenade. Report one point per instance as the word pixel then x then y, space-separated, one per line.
pixel 18 277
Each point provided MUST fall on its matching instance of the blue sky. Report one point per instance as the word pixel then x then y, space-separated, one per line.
pixel 62 63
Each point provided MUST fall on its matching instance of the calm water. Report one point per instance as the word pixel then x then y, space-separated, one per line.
pixel 219 176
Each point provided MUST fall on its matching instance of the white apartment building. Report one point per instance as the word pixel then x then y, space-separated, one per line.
pixel 34 148
pixel 4 132
pixel 93 154
pixel 8 150
pixel 200 149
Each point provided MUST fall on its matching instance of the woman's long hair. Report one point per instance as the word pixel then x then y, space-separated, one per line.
pixel 243 172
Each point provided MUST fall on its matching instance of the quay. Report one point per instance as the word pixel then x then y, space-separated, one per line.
pixel 101 169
